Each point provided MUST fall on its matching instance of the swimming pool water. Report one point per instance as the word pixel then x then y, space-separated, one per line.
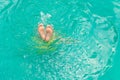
pixel 85 45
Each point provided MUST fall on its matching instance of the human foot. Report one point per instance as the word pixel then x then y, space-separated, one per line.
pixel 41 31
pixel 49 33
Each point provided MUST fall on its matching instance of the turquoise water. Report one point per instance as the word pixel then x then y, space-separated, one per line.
pixel 85 45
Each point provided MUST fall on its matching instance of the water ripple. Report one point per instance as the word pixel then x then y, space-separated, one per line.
pixel 82 47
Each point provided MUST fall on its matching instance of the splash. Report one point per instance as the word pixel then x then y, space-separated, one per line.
pixel 44 18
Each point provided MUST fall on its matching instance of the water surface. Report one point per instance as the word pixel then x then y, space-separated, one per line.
pixel 84 47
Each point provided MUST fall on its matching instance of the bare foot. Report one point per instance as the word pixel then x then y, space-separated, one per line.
pixel 41 31
pixel 49 33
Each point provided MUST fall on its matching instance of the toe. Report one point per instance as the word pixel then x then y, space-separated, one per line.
pixel 49 29
pixel 40 27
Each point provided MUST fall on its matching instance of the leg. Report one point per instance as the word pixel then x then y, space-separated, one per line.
pixel 41 31
pixel 49 32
